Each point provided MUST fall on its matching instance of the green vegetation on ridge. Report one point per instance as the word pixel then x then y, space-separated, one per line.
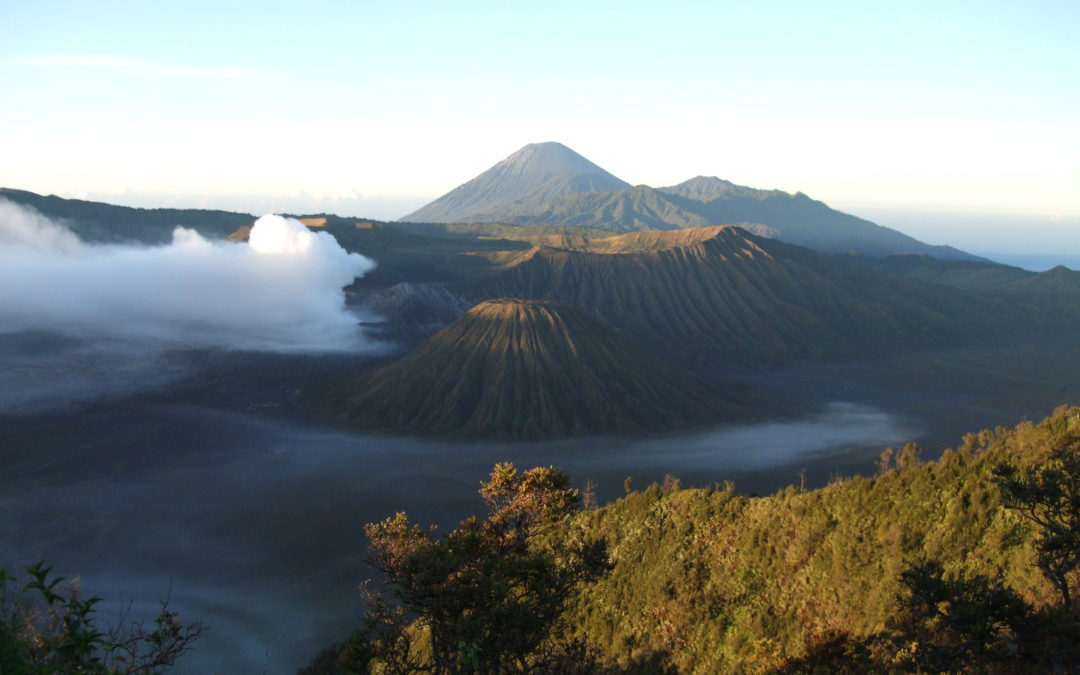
pixel 719 582
pixel 957 565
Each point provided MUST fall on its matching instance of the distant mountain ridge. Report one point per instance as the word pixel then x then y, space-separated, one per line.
pixel 1053 287
pixel 798 219
pixel 709 188
pixel 101 223
pixel 549 184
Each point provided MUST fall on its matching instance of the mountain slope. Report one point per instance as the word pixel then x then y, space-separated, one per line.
pixel 798 219
pixel 708 188
pixel 532 176
pixel 1058 281
pixel 722 294
pixel 629 210
pixel 96 222
pixel 1056 290
pixel 711 581
pixel 517 369
pixel 550 184
pixel 968 274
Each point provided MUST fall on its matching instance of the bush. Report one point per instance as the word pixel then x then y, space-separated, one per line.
pixel 47 627
pixel 489 595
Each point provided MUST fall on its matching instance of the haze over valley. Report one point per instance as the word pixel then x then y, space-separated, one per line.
pixel 238 411
pixel 636 338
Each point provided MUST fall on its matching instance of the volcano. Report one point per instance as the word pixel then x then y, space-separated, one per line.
pixel 523 183
pixel 514 369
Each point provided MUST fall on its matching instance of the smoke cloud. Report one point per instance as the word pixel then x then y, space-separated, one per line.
pixel 282 291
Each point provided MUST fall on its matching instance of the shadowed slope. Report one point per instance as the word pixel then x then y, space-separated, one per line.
pixel 517 369
pixel 968 274
pixel 100 223
pixel 1055 290
pixel 720 293
pixel 1059 281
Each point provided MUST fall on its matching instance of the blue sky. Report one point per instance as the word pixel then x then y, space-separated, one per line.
pixel 377 107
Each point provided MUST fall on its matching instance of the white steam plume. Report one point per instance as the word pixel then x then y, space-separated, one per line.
pixel 282 291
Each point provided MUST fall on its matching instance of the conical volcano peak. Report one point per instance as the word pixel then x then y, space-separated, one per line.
pixel 527 369
pixel 550 184
pixel 547 159
pixel 524 182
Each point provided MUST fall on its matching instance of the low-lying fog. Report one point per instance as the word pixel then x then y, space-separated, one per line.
pixel 255 523
pixel 150 443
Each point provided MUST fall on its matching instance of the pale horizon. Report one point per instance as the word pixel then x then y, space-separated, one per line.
pixel 373 111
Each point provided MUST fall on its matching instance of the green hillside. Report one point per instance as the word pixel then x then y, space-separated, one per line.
pixel 707 580
pixel 924 567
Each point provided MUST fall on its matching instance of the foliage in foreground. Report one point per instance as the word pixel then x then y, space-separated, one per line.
pixel 47 627
pixel 958 625
pixel 966 564
pixel 488 596
pixel 1048 496
pixel 919 566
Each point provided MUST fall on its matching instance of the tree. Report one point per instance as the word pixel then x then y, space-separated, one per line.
pixel 884 463
pixel 47 627
pixel 671 484
pixel 1049 497
pixel 942 625
pixel 588 498
pixel 488 596
pixel 908 457
pixel 958 621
